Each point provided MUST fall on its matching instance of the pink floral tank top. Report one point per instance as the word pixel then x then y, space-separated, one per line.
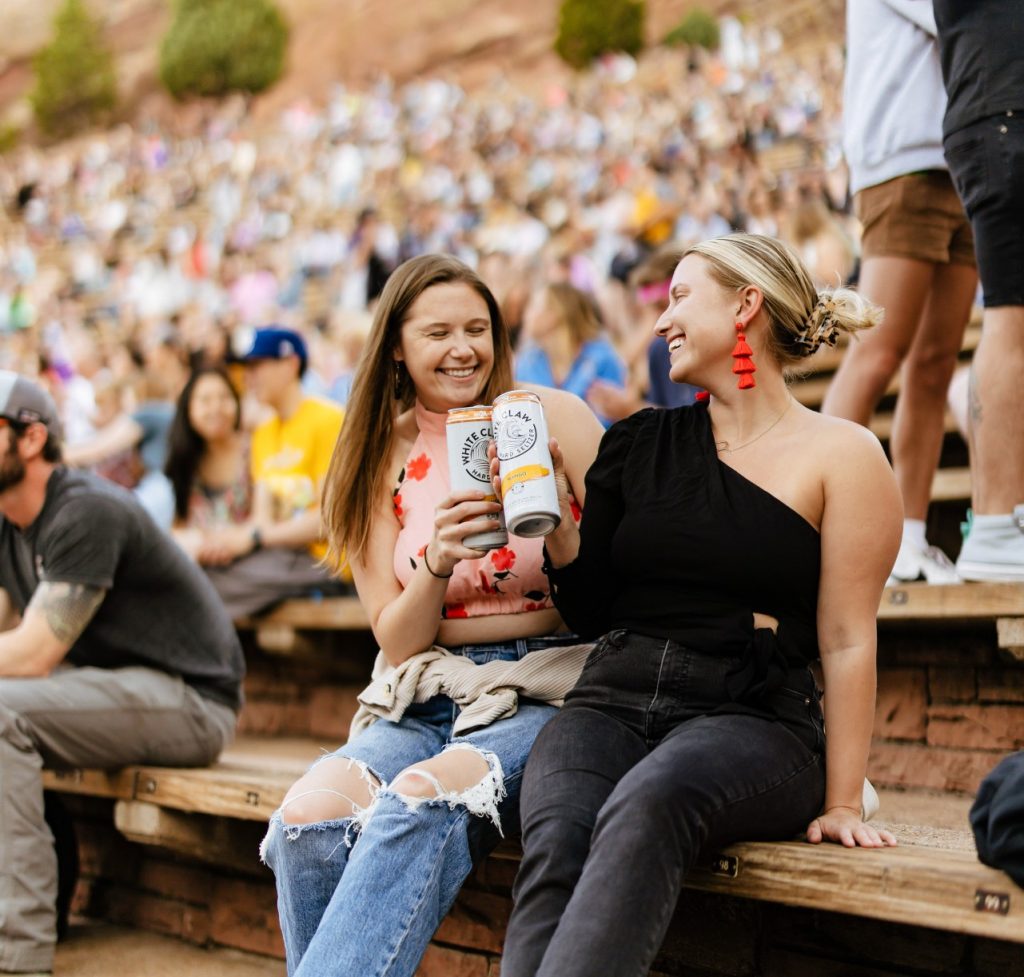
pixel 503 581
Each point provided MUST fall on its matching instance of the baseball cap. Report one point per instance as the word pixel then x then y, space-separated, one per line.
pixel 25 402
pixel 270 343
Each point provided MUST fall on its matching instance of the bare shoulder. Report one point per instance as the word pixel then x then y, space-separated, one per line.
pixel 849 458
pixel 842 442
pixel 562 409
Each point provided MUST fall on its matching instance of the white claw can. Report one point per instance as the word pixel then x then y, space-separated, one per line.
pixel 469 432
pixel 528 489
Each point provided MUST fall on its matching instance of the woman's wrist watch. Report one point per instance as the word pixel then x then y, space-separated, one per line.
pixel 256 538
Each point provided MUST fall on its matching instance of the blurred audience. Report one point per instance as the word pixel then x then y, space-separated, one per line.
pixel 211 222
pixel 563 345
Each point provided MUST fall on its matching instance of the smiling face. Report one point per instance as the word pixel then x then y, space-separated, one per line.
pixel 698 324
pixel 212 408
pixel 446 345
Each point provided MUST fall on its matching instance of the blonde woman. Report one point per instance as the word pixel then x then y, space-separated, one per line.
pixel 371 846
pixel 749 536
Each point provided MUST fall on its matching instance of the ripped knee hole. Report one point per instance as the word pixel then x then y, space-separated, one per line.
pixel 316 798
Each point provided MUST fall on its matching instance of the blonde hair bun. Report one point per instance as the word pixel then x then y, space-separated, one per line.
pixel 837 311
pixel 800 317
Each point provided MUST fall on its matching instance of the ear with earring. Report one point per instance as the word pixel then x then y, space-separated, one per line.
pixel 743 363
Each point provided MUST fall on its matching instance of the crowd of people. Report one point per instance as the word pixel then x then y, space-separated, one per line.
pixel 258 330
pixel 130 260
pixel 115 238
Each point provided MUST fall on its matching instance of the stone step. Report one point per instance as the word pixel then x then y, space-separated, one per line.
pixel 98 949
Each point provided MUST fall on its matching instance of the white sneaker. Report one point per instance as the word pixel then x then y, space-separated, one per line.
pixel 995 552
pixel 929 564
pixel 869 803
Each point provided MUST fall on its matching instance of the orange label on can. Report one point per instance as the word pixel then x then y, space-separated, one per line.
pixel 464 415
pixel 525 474
pixel 513 395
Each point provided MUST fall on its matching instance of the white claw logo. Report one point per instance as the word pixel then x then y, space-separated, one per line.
pixel 516 434
pixel 474 459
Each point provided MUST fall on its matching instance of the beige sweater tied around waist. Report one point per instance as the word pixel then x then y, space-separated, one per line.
pixel 485 693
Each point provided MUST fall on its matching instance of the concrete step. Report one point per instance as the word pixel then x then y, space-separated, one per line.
pixel 97 949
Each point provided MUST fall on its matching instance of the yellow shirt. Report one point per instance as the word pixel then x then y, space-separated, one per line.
pixel 291 458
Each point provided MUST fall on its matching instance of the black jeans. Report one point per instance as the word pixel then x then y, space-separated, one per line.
pixel 647 763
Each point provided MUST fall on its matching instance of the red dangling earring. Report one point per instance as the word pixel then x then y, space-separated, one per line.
pixel 702 396
pixel 743 363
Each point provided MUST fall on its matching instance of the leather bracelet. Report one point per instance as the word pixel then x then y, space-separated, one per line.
pixel 426 563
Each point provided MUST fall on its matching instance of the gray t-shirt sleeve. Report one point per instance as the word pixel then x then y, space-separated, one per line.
pixel 83 543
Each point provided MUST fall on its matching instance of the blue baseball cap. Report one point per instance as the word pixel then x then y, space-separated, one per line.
pixel 270 343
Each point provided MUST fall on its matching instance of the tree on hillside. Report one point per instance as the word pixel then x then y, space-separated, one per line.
pixel 698 28
pixel 589 28
pixel 75 84
pixel 218 46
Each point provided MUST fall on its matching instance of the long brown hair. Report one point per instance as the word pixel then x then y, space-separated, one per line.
pixel 577 311
pixel 382 389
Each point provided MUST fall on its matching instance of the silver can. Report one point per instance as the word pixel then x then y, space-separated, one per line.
pixel 469 432
pixel 528 486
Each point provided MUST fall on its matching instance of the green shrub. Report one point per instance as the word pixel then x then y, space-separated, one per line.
pixel 75 84
pixel 217 46
pixel 697 29
pixel 9 136
pixel 589 28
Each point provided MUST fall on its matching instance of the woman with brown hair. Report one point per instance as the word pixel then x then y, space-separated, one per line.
pixel 750 537
pixel 371 846
pixel 564 345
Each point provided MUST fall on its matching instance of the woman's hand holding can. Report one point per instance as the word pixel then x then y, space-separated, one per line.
pixel 461 514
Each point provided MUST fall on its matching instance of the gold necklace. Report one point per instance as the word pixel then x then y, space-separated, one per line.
pixel 724 445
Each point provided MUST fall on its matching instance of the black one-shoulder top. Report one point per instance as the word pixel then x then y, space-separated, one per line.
pixel 676 544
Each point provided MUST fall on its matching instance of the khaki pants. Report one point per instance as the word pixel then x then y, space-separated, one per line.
pixel 260 580
pixel 80 717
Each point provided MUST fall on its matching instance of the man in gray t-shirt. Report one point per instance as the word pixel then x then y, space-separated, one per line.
pixel 114 649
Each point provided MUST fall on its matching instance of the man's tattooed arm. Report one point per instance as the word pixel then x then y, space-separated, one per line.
pixel 55 618
pixel 66 607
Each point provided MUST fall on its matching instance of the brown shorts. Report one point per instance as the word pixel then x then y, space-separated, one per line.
pixel 915 216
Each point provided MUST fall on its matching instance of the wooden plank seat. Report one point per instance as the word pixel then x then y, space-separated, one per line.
pixel 916 601
pixel 952 485
pixel 247 782
pixel 291 627
pixel 944 603
pixel 933 879
pixel 303 613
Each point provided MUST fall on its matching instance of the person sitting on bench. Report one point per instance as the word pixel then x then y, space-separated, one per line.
pixel 371 846
pixel 117 651
pixel 725 546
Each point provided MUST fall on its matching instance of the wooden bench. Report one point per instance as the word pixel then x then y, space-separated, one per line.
pixel 933 879
pixel 929 605
pixel 182 858
pixel 915 601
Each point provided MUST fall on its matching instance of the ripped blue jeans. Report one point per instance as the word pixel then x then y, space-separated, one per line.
pixel 362 896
